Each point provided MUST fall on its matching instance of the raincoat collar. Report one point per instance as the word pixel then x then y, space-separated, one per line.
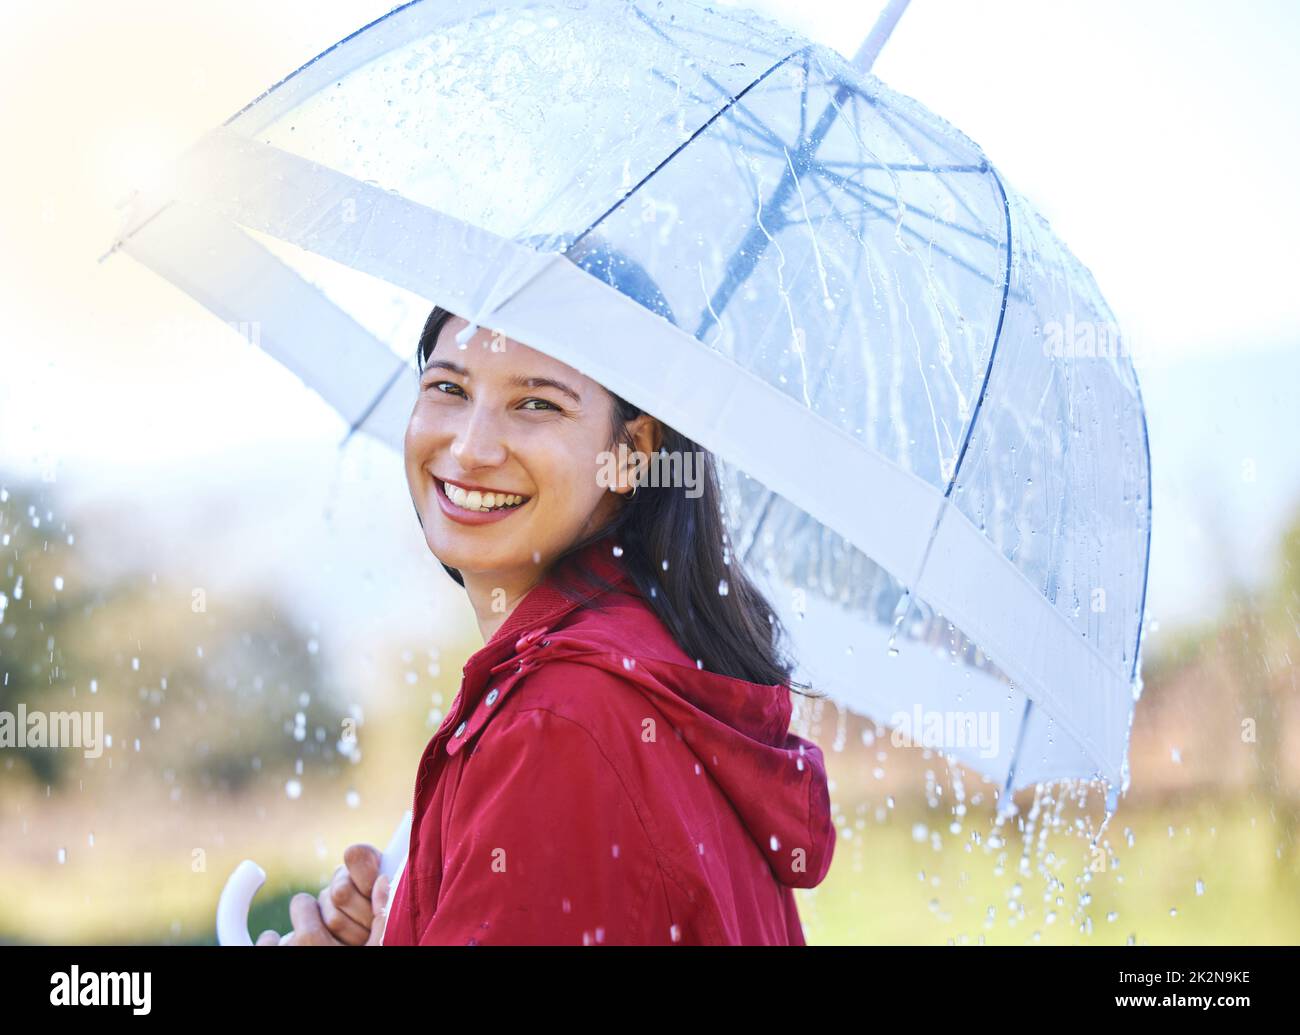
pixel 545 604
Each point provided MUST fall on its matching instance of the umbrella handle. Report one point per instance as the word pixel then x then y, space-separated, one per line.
pixel 248 877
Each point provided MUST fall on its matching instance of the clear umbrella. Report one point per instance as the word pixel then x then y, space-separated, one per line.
pixel 931 438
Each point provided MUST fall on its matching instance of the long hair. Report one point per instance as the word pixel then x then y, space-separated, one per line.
pixel 674 546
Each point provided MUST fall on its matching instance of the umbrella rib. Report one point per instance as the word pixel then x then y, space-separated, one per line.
pixel 1009 786
pixel 852 188
pixel 1146 567
pixel 817 385
pixel 888 116
pixel 370 407
pixel 675 151
pixel 753 125
pixel 979 401
pixel 755 242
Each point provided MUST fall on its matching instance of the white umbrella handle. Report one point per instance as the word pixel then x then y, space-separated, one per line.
pixel 248 877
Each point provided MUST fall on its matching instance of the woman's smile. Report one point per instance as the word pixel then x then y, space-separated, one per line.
pixel 474 507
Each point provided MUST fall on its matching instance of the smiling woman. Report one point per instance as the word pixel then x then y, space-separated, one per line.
pixel 504 435
pixel 627 773
pixel 499 417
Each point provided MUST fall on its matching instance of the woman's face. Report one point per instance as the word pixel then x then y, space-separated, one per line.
pixel 500 417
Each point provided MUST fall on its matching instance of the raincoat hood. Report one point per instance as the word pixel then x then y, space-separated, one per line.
pixel 739 731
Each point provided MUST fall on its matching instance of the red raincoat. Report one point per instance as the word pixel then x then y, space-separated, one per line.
pixel 591 785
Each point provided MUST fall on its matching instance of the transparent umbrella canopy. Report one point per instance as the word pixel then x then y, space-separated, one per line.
pixel 931 439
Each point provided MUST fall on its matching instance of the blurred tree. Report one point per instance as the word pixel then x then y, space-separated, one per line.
pixel 203 687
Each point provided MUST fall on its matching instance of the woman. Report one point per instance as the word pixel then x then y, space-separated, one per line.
pixel 617 767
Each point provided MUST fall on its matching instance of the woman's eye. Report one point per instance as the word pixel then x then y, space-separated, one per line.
pixel 545 403
pixel 439 386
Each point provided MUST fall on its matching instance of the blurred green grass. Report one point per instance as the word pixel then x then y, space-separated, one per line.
pixel 886 886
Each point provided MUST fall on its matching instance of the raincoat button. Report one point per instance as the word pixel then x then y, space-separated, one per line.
pixel 491 697
pixel 459 729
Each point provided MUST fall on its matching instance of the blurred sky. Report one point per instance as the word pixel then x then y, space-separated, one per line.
pixel 1158 138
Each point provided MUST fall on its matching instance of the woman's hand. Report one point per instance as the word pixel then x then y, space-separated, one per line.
pixel 350 910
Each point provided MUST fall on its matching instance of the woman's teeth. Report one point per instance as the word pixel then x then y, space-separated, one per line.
pixel 475 500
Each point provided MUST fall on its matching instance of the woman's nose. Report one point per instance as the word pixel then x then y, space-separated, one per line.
pixel 479 442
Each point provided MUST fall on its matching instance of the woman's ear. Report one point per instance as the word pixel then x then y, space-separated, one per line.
pixel 646 432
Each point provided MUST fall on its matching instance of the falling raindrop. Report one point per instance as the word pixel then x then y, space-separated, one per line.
pixel 776 845
pixel 1200 886
pixel 353 799
pixel 618 551
pixel 63 856
pixel 723 588
pixel 58 582
pixel 294 789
